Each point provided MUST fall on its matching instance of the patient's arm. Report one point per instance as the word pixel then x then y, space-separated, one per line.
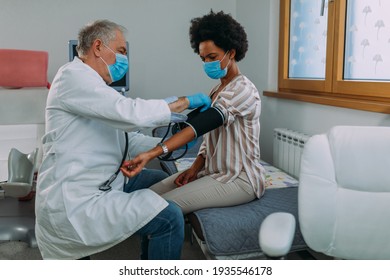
pixel 132 167
pixel 198 123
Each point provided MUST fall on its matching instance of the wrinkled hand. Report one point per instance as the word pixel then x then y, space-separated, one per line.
pixel 199 100
pixel 130 168
pixel 186 177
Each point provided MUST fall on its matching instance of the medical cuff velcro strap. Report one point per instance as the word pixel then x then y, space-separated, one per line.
pixel 203 122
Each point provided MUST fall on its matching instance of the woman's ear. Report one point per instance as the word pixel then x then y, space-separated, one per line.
pixel 232 54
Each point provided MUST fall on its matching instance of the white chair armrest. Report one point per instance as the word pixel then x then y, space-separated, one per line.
pixel 276 234
pixel 16 189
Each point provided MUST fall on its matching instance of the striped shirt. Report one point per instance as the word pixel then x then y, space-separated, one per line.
pixel 234 147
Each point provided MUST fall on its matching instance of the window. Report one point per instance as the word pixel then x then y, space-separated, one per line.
pixel 335 52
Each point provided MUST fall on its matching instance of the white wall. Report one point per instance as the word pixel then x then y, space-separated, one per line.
pixel 162 62
pixel 261 19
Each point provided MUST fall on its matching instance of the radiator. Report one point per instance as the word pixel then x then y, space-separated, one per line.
pixel 287 150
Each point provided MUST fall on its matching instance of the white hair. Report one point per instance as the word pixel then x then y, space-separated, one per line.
pixel 104 30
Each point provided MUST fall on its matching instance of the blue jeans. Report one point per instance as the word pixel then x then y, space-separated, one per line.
pixel 162 238
pixel 144 179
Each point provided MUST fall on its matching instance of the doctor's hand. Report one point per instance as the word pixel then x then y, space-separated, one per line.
pixel 130 168
pixel 199 100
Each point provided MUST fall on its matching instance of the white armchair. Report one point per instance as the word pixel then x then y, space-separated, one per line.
pixel 21 169
pixel 17 219
pixel 343 197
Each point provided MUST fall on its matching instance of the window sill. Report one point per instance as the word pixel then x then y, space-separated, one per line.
pixel 357 103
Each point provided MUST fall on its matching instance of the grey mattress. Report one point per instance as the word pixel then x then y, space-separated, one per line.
pixel 234 230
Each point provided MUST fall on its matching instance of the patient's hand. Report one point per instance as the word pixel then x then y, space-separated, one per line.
pixel 186 177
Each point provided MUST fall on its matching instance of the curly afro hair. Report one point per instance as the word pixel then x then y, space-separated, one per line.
pixel 222 29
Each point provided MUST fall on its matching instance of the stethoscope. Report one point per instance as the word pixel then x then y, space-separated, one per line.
pixel 106 186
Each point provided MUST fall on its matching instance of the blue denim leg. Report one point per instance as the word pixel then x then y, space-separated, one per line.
pixel 163 237
pixel 144 179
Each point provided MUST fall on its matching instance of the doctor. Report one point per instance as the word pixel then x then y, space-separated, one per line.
pixel 79 210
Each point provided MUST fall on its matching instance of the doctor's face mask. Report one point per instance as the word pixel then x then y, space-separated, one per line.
pixel 119 68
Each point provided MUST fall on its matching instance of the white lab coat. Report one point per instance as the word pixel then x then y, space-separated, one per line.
pixel 83 146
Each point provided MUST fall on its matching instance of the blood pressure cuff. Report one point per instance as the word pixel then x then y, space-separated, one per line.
pixel 201 122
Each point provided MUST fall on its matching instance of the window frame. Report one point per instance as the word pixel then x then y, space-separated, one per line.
pixel 334 91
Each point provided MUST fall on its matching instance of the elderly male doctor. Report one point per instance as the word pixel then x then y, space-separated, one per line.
pixel 79 210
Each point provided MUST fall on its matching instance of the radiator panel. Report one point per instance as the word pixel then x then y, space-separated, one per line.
pixel 287 150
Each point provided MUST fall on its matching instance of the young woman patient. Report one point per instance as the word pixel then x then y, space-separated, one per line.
pixel 227 169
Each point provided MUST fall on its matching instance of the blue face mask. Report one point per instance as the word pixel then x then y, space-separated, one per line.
pixel 213 68
pixel 119 68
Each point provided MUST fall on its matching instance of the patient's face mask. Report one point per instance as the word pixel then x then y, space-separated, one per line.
pixel 213 68
pixel 119 68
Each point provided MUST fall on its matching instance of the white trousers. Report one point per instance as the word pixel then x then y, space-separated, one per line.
pixel 205 192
